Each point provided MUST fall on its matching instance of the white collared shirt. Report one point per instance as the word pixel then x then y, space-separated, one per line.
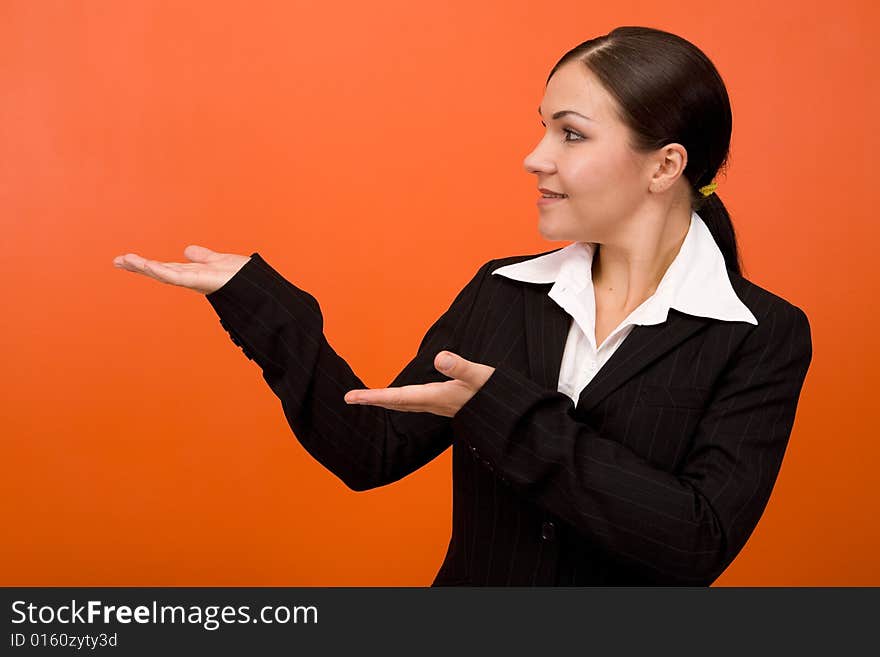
pixel 695 283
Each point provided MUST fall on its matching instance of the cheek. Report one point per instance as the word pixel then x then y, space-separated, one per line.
pixel 596 179
pixel 603 186
pixel 595 172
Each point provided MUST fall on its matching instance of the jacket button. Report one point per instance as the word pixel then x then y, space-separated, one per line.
pixel 474 452
pixel 548 531
pixel 488 465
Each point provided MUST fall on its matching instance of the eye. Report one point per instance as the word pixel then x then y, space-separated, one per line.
pixel 568 133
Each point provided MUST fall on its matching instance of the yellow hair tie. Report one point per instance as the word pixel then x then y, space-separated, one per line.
pixel 708 189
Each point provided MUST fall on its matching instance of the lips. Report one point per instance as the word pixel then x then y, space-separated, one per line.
pixel 550 192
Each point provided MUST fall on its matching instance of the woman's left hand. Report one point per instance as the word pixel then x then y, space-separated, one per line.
pixel 438 397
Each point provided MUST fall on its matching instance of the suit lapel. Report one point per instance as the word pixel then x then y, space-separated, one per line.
pixel 644 345
pixel 547 327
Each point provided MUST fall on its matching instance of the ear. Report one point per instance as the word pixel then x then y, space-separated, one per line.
pixel 668 166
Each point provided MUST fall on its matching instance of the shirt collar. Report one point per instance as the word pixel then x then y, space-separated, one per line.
pixel 696 283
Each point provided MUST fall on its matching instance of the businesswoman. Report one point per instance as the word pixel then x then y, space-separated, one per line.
pixel 618 409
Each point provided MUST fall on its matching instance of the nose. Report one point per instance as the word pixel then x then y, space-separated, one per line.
pixel 537 162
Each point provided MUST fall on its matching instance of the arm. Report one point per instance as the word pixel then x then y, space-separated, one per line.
pixel 682 527
pixel 280 327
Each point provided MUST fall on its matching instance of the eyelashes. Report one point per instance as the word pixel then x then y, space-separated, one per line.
pixel 568 133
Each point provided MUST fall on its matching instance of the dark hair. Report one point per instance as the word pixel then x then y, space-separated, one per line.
pixel 668 91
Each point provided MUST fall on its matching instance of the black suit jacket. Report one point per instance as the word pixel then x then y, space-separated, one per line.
pixel 658 475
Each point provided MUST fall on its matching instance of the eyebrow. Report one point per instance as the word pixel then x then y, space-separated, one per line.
pixel 562 113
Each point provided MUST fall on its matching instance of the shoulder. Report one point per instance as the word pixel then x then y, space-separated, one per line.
pixel 783 332
pixel 764 304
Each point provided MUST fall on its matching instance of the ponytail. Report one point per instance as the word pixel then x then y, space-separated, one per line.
pixel 715 216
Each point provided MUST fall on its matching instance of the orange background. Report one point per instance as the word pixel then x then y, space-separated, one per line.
pixel 346 142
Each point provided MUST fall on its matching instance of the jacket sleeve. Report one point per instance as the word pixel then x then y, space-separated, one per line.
pixel 280 327
pixel 675 528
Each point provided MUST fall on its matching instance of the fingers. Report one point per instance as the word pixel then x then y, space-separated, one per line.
pixel 131 262
pixel 446 362
pixel 461 369
pixel 198 253
pixel 420 397
pixel 454 366
pixel 193 252
pixel 172 273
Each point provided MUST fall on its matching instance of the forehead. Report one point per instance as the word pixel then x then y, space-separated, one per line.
pixel 574 87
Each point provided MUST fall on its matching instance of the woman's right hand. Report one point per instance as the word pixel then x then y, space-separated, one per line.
pixel 208 271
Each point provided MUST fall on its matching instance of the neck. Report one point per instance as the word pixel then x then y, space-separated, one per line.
pixel 627 270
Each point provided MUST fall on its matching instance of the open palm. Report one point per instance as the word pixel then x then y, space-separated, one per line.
pixel 206 272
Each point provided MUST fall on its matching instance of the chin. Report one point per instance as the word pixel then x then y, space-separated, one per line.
pixel 553 237
pixel 551 234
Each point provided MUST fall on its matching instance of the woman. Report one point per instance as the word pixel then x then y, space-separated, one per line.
pixel 618 408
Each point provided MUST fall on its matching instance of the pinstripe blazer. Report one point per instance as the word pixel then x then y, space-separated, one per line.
pixel 657 476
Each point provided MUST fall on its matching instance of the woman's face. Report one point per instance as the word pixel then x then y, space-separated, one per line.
pixel 589 160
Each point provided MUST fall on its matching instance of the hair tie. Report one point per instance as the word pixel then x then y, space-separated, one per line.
pixel 706 190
